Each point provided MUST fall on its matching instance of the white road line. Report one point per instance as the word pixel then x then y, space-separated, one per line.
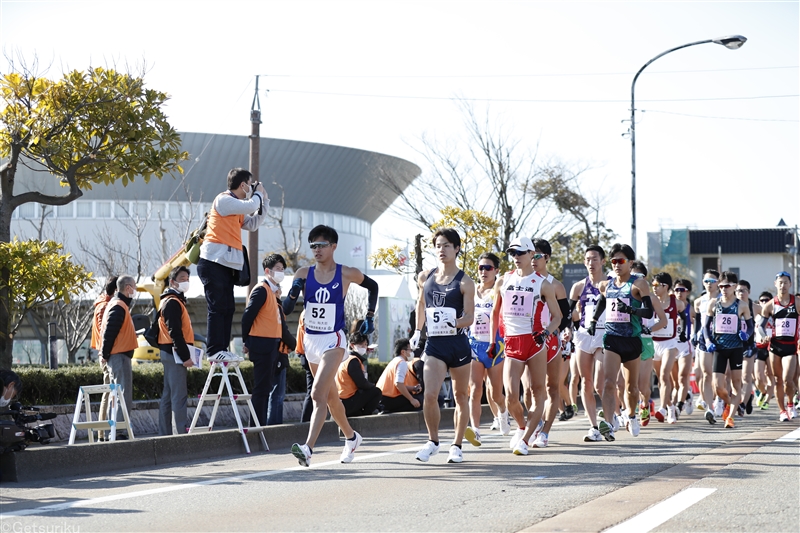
pixel 661 512
pixel 183 486
pixel 790 437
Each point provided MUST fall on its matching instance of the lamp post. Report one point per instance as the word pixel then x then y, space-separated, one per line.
pixel 732 42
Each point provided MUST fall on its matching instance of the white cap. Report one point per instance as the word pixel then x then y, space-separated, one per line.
pixel 521 244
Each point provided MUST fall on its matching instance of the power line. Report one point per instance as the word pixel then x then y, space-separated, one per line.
pixel 544 75
pixel 544 101
pixel 720 118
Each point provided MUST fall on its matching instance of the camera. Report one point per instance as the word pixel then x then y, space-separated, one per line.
pixel 24 427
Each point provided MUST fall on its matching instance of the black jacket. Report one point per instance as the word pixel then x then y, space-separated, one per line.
pixel 173 318
pixel 116 317
pixel 356 373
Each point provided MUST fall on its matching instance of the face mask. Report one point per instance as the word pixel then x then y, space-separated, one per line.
pixel 278 275
pixel 361 350
pixel 4 402
pixel 183 286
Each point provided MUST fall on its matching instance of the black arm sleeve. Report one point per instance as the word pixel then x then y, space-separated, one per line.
pixel 599 308
pixel 566 313
pixel 698 324
pixel 288 305
pixel 173 315
pixel 646 310
pixel 357 375
pixel 572 304
pixel 372 286
pixel 751 326
pixel 257 300
pixel 709 336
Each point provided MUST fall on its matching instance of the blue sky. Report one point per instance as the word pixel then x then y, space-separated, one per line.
pixel 692 170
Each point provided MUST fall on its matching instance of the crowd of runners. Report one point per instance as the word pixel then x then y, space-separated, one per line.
pixel 523 339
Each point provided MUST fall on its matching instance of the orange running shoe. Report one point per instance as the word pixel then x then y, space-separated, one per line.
pixel 729 422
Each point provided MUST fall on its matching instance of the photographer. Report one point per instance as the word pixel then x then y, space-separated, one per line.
pixel 12 387
pixel 243 206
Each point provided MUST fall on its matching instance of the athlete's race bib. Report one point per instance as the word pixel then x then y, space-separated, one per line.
pixel 480 329
pixel 320 317
pixel 441 321
pixel 785 327
pixel 601 322
pixel 666 332
pixel 613 314
pixel 517 303
pixel 726 324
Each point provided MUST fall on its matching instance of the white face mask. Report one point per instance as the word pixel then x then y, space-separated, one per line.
pixel 183 286
pixel 361 350
pixel 4 402
pixel 278 275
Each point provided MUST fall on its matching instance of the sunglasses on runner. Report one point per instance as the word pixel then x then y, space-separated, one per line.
pixel 709 280
pixel 657 284
pixel 320 244
pixel 764 300
pixel 681 289
pixel 517 253
pixel 538 256
pixel 725 285
pixel 486 267
pixel 619 261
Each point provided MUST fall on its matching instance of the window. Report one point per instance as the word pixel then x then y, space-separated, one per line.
pixel 174 211
pixel 104 209
pixel 83 209
pixel 27 210
pixel 65 211
pixel 142 210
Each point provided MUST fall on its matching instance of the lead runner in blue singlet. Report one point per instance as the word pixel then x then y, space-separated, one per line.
pixel 446 304
pixel 324 288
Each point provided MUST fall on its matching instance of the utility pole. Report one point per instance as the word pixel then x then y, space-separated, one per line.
pixel 255 146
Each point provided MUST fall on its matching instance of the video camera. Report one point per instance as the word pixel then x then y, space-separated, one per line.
pixel 16 434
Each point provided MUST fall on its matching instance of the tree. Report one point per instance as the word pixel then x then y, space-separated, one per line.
pixel 571 247
pixel 87 128
pixel 292 240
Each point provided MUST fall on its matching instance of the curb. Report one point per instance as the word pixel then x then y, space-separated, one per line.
pixel 80 460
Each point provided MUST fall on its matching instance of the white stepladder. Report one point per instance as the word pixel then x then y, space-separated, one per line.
pixel 116 400
pixel 222 369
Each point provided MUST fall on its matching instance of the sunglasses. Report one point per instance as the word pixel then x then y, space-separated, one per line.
pixel 725 285
pixel 656 285
pixel 536 257
pixel 764 301
pixel 619 261
pixel 783 274
pixel 317 245
pixel 681 289
pixel 488 268
pixel 709 280
pixel 517 253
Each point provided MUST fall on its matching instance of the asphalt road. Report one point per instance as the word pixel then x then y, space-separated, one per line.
pixel 672 478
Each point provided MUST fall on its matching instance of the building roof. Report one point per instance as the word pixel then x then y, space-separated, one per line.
pixel 314 176
pixel 740 241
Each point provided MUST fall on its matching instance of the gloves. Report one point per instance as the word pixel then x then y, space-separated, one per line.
pixel 711 347
pixel 297 286
pixel 492 350
pixel 695 340
pixel 622 307
pixel 682 336
pixel 414 340
pixel 646 330
pixel 743 335
pixel 368 325
pixel 590 329
pixel 541 336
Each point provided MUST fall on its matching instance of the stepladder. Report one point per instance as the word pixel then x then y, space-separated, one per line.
pixel 116 401
pixel 223 371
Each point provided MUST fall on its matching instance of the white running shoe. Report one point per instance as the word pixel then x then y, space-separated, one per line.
pixel 505 423
pixel 615 424
pixel 689 405
pixel 792 412
pixel 633 426
pixel 455 455
pixel 541 440
pixel 593 436
pixel 520 448
pixel 473 436
pixel 671 416
pixel 517 437
pixel 303 454
pixel 425 453
pixel 350 446
pixel 495 424
pixel 539 427
pixel 719 407
pixel 225 357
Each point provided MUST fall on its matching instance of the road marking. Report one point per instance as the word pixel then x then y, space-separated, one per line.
pixel 790 437
pixel 183 486
pixel 661 512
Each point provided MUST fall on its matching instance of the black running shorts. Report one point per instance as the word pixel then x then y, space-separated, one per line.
pixel 628 348
pixel 725 356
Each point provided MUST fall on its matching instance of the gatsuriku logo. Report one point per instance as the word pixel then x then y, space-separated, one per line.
pixel 322 295
pixel 438 299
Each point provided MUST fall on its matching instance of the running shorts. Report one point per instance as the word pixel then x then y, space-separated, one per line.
pixel 454 350
pixel 588 343
pixel 628 348
pixel 479 349
pixel 316 345
pixel 762 354
pixel 725 356
pixel 684 349
pixel 661 347
pixel 553 343
pixel 522 347
pixel 648 350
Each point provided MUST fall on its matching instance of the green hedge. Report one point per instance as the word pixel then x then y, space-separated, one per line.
pixel 42 386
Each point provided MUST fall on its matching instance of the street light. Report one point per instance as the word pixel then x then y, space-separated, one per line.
pixel 732 42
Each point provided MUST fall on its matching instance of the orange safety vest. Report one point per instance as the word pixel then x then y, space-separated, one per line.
pixel 387 380
pixel 224 230
pixel 301 333
pixel 126 338
pixel 97 320
pixel 186 323
pixel 347 387
pixel 267 323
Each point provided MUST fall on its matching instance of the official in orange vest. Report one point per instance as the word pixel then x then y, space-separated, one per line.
pixel 400 387
pixel 243 206
pixel 119 340
pixel 262 331
pixel 358 395
pixel 175 337
pixel 100 305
